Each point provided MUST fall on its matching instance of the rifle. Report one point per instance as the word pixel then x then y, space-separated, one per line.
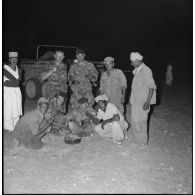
pixel 45 126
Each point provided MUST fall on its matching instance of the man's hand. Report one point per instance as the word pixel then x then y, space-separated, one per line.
pixel 54 69
pixel 51 120
pixel 97 107
pixel 122 100
pixel 146 106
pixel 48 129
pixel 93 79
pixel 85 124
pixel 88 114
pixel 103 124
pixel 94 84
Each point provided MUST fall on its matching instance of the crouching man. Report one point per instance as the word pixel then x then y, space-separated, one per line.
pixel 79 123
pixel 110 123
pixel 32 126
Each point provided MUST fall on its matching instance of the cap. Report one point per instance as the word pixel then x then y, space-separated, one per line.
pixel 108 59
pixel 43 100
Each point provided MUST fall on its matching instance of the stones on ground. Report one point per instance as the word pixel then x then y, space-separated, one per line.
pixel 171 169
pixel 114 179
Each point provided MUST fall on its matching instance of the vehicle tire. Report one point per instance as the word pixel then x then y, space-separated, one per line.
pixel 33 89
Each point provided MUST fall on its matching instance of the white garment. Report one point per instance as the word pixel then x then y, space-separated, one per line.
pixel 111 110
pixel 114 130
pixel 12 102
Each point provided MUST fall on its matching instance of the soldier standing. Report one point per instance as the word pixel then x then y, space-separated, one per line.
pixel 81 76
pixel 56 79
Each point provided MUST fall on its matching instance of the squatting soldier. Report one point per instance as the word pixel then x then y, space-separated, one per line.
pixel 85 125
pixel 32 126
pixel 80 76
pixel 76 124
pixel 56 79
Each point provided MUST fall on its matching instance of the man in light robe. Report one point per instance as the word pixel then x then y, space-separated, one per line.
pixel 143 94
pixel 12 95
pixel 113 83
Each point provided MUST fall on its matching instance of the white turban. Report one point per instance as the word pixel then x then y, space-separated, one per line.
pixel 108 59
pixel 101 97
pixel 13 54
pixel 135 56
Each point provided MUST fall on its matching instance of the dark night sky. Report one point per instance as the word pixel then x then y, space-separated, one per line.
pixel 159 29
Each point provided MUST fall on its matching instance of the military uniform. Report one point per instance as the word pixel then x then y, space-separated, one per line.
pixel 57 82
pixel 81 124
pixel 80 76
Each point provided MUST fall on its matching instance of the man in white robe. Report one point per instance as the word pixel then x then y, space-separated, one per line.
pixel 12 94
pixel 143 94
pixel 110 122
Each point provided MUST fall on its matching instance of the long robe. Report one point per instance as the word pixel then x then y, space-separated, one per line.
pixel 12 98
pixel 111 85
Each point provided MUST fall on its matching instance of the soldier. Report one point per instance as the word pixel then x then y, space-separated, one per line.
pixel 32 126
pixel 76 124
pixel 56 79
pixel 83 121
pixel 80 76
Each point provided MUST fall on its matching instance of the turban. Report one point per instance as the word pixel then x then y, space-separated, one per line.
pixel 101 97
pixel 13 54
pixel 43 100
pixel 108 59
pixel 136 56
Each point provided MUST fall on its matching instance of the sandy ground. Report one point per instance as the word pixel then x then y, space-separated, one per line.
pixel 100 166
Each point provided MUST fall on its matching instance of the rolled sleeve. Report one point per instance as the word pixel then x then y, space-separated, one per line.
pixel 149 81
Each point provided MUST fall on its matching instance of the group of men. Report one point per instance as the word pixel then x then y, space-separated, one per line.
pixel 106 119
